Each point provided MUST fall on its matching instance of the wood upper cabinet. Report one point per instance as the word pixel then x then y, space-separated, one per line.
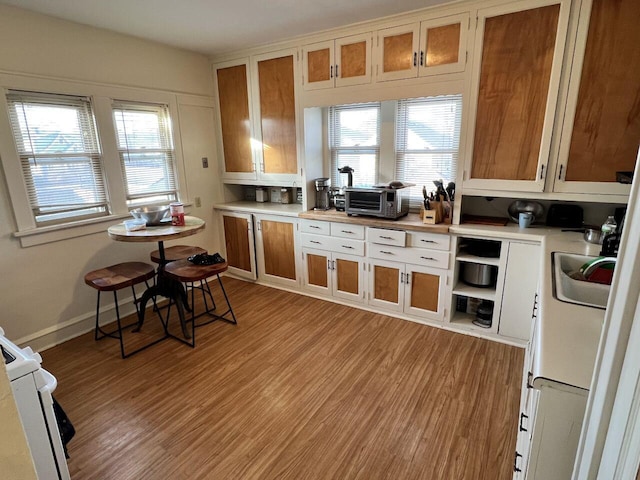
pixel 601 131
pixel 276 247
pixel 423 48
pixel 232 80
pixel 239 244
pixel 276 123
pixel 259 129
pixel 515 83
pixel 337 63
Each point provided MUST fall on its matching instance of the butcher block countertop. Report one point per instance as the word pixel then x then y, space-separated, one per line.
pixel 410 222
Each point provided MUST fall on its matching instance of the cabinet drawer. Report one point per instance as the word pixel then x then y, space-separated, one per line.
pixel 347 245
pixel 415 256
pixel 345 230
pixel 429 240
pixel 387 237
pixel 310 240
pixel 428 258
pixel 315 226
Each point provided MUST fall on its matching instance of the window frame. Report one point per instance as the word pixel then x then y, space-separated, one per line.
pixel 23 224
pixel 335 151
pixel 415 199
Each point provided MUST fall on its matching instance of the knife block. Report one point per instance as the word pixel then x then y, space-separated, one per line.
pixel 433 215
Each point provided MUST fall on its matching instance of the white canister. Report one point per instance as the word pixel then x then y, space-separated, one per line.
pixel 177 213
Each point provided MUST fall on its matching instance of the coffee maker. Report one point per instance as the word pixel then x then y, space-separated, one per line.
pixel 323 186
pixel 345 179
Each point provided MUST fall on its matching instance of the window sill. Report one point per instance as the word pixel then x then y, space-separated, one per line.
pixel 55 233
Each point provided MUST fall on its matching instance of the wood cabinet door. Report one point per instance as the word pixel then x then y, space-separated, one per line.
pixel 397 52
pixel 277 116
pixel 516 79
pixel 233 105
pixel 318 65
pixel 443 45
pixel 353 60
pixel 347 272
pixel 425 291
pixel 317 267
pixel 601 131
pixel 239 244
pixel 276 249
pixel 386 285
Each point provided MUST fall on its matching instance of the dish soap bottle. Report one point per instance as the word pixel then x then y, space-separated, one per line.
pixel 610 226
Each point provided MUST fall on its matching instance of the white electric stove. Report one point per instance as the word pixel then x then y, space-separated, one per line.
pixel 32 388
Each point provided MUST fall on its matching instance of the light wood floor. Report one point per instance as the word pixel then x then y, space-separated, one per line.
pixel 299 389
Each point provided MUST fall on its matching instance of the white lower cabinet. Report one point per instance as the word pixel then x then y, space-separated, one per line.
pixel 334 274
pixel 333 260
pixel 411 289
pixel 549 423
pixel 276 249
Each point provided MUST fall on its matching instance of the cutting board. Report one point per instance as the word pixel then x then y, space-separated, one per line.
pixel 482 220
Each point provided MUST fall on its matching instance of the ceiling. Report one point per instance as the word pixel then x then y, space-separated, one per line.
pixel 217 26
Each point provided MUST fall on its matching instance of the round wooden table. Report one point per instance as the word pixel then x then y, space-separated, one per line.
pixel 164 286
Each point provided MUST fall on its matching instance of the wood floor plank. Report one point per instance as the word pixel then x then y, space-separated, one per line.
pixel 299 389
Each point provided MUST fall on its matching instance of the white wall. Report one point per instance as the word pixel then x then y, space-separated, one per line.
pixel 43 298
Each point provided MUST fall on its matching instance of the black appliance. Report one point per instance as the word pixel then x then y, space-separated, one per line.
pixel 565 215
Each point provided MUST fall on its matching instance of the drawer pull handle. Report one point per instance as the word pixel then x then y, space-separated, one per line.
pixel 314 226
pixel 328 264
pixel 520 427
pixel 515 462
pixel 347 246
pixel 428 241
pixel 386 253
pixel 402 278
pixel 315 241
pixel 386 238
pixel 428 258
pixel 347 231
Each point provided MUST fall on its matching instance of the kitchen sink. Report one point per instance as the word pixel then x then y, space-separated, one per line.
pixel 570 290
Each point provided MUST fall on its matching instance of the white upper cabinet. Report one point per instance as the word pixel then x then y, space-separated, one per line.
pixel 259 128
pixel 517 62
pixel 337 63
pixel 601 129
pixel 425 48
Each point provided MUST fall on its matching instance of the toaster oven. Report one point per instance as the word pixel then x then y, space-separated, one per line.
pixel 383 202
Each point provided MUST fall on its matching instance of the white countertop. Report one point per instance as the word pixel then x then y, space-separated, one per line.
pixel 510 231
pixel 568 334
pixel 286 210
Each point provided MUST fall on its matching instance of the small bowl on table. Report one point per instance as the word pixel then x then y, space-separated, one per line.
pixel 151 215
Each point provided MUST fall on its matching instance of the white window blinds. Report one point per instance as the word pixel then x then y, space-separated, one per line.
pixel 146 152
pixel 354 138
pixel 427 141
pixel 59 151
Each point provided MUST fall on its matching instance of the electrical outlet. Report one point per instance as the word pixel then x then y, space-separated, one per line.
pixel 198 203
pixel 205 162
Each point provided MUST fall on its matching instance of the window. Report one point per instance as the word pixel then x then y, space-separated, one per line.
pixel 146 152
pixel 354 136
pixel 427 140
pixel 59 152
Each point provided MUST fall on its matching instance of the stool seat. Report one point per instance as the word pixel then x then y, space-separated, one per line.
pixel 119 276
pixel 112 279
pixel 177 252
pixel 185 271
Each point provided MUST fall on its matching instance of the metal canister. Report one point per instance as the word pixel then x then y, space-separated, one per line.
pixel 177 213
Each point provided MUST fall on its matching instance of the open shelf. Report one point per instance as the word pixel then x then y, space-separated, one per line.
pixel 462 319
pixel 475 259
pixel 475 292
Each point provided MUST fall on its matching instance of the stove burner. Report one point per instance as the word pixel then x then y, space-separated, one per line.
pixel 8 358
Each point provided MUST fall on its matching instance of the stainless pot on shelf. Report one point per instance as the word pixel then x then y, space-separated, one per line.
pixel 479 275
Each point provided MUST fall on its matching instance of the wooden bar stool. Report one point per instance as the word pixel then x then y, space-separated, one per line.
pixel 186 272
pixel 177 252
pixel 112 279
